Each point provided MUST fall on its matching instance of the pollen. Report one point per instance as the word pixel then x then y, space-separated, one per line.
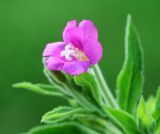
pixel 80 55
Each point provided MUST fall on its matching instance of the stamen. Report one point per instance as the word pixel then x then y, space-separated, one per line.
pixel 67 53
pixel 70 51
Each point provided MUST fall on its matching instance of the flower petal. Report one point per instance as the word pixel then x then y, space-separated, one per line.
pixel 54 63
pixel 71 24
pixel 89 29
pixel 75 36
pixel 93 50
pixel 76 67
pixel 53 48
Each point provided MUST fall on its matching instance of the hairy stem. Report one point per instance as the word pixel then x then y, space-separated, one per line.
pixel 108 97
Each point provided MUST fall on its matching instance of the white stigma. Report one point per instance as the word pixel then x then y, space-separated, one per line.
pixel 67 52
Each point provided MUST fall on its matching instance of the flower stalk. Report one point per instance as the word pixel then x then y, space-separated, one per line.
pixel 108 96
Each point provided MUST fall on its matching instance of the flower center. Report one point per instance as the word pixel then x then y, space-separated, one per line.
pixel 69 52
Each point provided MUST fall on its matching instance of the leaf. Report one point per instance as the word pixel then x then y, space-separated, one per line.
pixel 98 123
pixel 156 113
pixel 151 104
pixel 141 109
pixel 80 115
pixel 87 82
pixel 157 128
pixel 144 115
pixel 130 79
pixel 124 120
pixel 62 128
pixel 61 114
pixel 83 102
pixel 41 88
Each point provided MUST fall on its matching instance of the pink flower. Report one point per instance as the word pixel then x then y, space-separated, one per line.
pixel 80 49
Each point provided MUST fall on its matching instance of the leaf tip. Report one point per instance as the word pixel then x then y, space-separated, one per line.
pixel 129 16
pixel 19 84
pixel 15 85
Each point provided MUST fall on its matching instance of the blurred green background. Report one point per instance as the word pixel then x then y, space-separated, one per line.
pixel 27 25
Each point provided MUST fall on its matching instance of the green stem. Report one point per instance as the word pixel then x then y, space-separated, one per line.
pixel 108 97
pixel 71 92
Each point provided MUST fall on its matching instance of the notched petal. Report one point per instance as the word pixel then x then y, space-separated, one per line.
pixel 89 29
pixel 71 24
pixel 75 36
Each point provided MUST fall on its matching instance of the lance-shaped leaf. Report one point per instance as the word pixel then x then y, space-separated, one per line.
pixel 130 79
pixel 151 104
pixel 62 128
pixel 156 113
pixel 146 121
pixel 41 88
pixel 87 82
pixel 157 128
pixel 141 109
pixel 124 120
pixel 60 114
pixel 103 125
pixel 66 113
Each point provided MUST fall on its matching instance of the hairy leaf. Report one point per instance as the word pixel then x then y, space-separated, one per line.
pixel 141 109
pixel 61 114
pixel 63 128
pixel 88 82
pixel 151 104
pixel 156 113
pixel 101 124
pixel 40 88
pixel 157 128
pixel 123 120
pixel 146 121
pixel 80 115
pixel 130 79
